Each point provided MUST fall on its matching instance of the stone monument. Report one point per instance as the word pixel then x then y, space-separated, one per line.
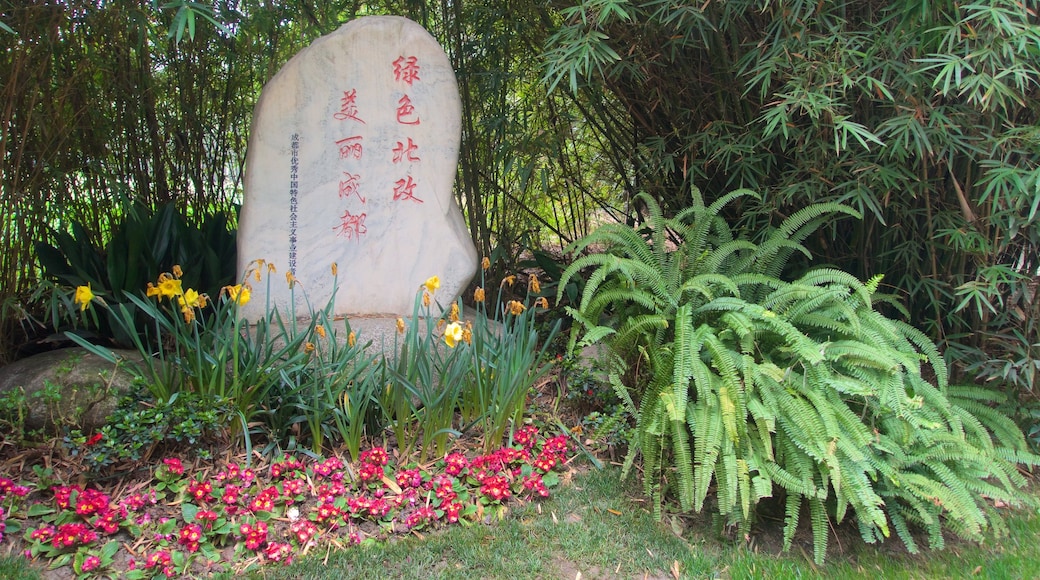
pixel 351 162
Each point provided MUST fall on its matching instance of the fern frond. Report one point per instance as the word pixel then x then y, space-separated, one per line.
pixel 820 529
pixel 792 511
pixel 831 276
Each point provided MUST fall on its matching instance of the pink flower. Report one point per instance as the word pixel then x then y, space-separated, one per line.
pixel 90 563
pixel 200 490
pixel 455 463
pixel 190 537
pixel 409 478
pixel 375 456
pixel 495 488
pixel 207 517
pixel 174 465
pixel 254 535
pixel 526 436
pixel 276 552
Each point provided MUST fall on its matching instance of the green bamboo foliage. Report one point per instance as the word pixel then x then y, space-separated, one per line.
pixel 762 387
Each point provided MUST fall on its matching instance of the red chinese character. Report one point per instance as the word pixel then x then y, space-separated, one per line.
pixel 351 146
pixel 351 226
pixel 405 190
pixel 348 107
pixel 404 152
pixel 349 186
pixel 406 110
pixel 406 68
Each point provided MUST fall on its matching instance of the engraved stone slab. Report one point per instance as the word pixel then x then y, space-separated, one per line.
pixel 351 161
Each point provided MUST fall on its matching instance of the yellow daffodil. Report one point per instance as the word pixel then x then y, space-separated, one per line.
pixel 532 285
pixel 508 281
pixel 467 333
pixel 485 264
pixel 152 290
pixel 320 330
pixel 290 279
pixel 83 297
pixel 189 314
pixel 454 314
pixel 478 295
pixel 335 269
pixel 271 269
pixel 239 293
pixel 309 347
pixel 351 339
pixel 515 307
pixel 426 299
pixel 177 272
pixel 400 326
pixel 191 299
pixel 542 302
pixel 432 284
pixel 453 334
pixel 168 287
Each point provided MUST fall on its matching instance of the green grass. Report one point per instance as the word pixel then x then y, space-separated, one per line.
pixel 588 536
pixel 598 526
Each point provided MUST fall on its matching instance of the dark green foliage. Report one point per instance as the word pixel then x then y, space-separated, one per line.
pixel 760 386
pixel 142 245
pixel 921 115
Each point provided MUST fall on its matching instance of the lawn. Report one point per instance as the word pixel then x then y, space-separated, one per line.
pixel 597 527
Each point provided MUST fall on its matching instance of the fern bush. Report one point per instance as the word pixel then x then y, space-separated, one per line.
pixel 800 389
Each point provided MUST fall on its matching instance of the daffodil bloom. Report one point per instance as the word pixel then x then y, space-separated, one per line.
pixel 189 314
pixel 432 284
pixel 83 297
pixel 177 272
pixel 426 299
pixel 478 295
pixel 508 281
pixel 309 347
pixel 168 287
pixel 239 293
pixel 351 339
pixel 400 325
pixel 542 302
pixel 532 285
pixel 454 314
pixel 467 333
pixel 335 269
pixel 453 334
pixel 515 307
pixel 191 299
pixel 152 290
pixel 485 264
pixel 320 330
pixel 271 269
pixel 290 279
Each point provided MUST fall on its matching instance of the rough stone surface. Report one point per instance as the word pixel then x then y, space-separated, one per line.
pixel 89 388
pixel 351 161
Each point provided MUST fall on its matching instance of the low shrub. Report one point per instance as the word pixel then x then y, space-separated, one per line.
pixel 759 386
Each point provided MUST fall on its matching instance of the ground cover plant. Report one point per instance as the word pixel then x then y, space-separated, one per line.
pixel 206 517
